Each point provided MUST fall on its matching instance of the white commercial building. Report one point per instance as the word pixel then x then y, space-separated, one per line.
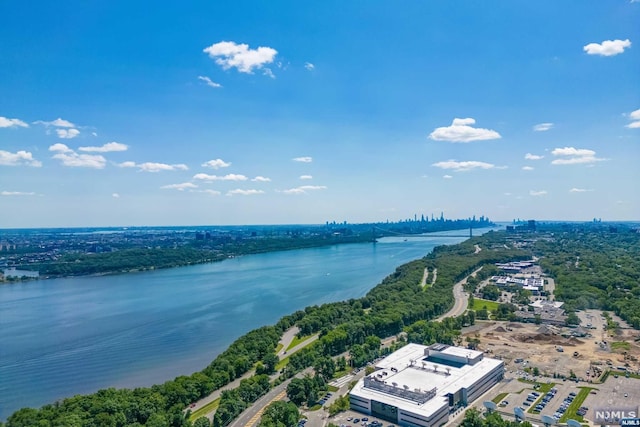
pixel 419 386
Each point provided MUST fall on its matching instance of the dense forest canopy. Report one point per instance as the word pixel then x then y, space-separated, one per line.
pixel 594 267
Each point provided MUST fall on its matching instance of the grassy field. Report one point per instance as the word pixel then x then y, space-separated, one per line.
pixel 211 406
pixel 620 345
pixel 297 341
pixel 575 405
pixel 479 304
pixel 499 398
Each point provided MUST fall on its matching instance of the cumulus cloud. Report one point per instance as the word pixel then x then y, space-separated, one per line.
pixel 72 159
pixel 462 131
pixel 67 133
pixel 244 192
pixel 229 177
pixel 530 156
pixel 59 123
pixel 60 147
pixel 158 167
pixel 207 191
pixel 463 166
pixel 306 177
pixel 106 148
pixel 303 159
pixel 153 167
pixel 209 82
pixel 574 156
pixel 216 164
pixel 179 187
pixel 303 189
pixel 17 193
pixel 309 66
pixel 12 123
pixel 447 176
pixel 115 195
pixel 527 168
pixel 229 54
pixel 542 127
pixel 607 47
pixel 261 179
pixel 18 158
pixel 634 116
pixel 537 193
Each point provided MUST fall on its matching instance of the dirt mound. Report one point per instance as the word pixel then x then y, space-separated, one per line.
pixel 574 341
pixel 514 325
pixel 500 329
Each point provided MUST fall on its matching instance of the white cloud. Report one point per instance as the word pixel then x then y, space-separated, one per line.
pixel 574 156
pixel 179 187
pixel 18 158
pixel 527 168
pixel 232 55
pixel 60 147
pixel 537 193
pixel 115 195
pixel 229 177
pixel 73 159
pixel 153 167
pixel 267 72
pixel 158 167
pixel 216 164
pixel 578 190
pixel 634 116
pixel 463 166
pixel 261 179
pixel 309 66
pixel 12 123
pixel 303 159
pixel 244 192
pixel 306 177
pixel 67 133
pixel 607 47
pixel 208 191
pixel 209 82
pixel 17 193
pixel 59 123
pixel 462 131
pixel 303 189
pixel 106 148
pixel 571 151
pixel 530 156
pixel 542 127
pixel 447 176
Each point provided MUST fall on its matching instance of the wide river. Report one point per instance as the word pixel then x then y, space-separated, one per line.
pixel 68 336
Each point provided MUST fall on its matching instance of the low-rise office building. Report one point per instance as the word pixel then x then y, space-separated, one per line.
pixel 419 386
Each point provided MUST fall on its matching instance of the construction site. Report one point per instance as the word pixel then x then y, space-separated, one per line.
pixel 585 353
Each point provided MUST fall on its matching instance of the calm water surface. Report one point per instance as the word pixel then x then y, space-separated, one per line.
pixel 69 336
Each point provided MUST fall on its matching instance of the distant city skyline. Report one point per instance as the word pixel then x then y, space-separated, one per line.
pixel 122 114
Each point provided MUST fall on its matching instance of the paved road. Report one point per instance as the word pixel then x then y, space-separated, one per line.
pixel 461 297
pixel 286 339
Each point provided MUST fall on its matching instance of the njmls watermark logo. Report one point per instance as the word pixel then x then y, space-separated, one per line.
pixel 613 415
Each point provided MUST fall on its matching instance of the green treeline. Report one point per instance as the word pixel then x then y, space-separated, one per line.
pixel 594 269
pixel 397 304
pixel 198 252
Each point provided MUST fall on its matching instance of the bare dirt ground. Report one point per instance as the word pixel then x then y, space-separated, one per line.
pixel 539 345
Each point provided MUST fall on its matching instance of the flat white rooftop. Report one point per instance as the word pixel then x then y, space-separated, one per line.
pixel 413 372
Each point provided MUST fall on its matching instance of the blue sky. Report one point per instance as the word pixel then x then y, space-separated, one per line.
pixel 186 113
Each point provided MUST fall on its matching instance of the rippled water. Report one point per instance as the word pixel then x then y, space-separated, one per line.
pixel 69 336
